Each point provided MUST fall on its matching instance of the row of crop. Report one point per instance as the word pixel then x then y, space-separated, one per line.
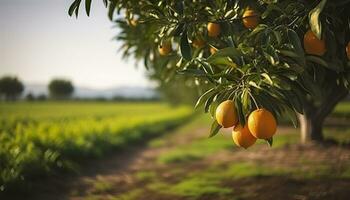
pixel 38 148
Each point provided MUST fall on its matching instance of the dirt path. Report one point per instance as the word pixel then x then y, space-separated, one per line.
pixel 115 175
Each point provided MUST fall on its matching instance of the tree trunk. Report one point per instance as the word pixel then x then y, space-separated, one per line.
pixel 310 129
pixel 311 122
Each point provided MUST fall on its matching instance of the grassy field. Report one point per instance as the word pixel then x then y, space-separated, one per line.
pixel 187 165
pixel 179 164
pixel 41 138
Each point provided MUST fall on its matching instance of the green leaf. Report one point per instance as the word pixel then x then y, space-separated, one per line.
pixel 231 52
pixel 314 19
pixel 105 2
pixel 295 41
pixel 201 99
pixel 269 141
pixel 227 61
pixel 73 7
pixel 268 78
pixel 215 127
pixel 88 7
pixel 111 9
pixel 317 60
pixel 185 47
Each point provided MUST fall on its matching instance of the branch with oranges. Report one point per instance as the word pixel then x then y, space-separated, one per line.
pixel 247 56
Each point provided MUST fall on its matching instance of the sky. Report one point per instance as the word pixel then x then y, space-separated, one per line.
pixel 39 42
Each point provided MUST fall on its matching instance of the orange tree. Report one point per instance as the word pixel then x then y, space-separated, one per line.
pixel 272 58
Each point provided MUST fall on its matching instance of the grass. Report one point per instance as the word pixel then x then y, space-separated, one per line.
pixel 42 138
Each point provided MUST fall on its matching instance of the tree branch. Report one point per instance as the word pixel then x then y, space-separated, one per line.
pixel 337 93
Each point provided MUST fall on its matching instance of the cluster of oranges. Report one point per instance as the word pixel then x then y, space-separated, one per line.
pixel 250 20
pixel 261 124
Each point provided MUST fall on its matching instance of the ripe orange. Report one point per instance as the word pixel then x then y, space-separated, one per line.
pixel 213 29
pixel 133 22
pixel 212 50
pixel 226 114
pixel 262 124
pixel 242 136
pixel 313 45
pixel 250 19
pixel 348 50
pixel 165 48
pixel 198 43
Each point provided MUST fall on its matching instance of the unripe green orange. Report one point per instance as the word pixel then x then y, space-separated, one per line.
pixel 226 114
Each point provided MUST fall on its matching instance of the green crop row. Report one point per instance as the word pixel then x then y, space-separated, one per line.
pixel 35 143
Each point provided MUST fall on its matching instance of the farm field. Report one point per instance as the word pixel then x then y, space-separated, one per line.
pixel 185 164
pixel 44 138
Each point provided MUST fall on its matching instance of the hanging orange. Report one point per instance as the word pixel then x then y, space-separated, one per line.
pixel 212 50
pixel 262 124
pixel 214 29
pixel 226 114
pixel 242 136
pixel 165 48
pixel 313 45
pixel 250 19
pixel 198 43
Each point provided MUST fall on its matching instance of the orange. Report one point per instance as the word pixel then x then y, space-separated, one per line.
pixel 212 50
pixel 198 43
pixel 133 22
pixel 262 124
pixel 250 19
pixel 226 114
pixel 242 136
pixel 213 29
pixel 348 50
pixel 313 45
pixel 165 48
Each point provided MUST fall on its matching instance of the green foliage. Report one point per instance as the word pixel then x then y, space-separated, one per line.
pixel 10 87
pixel 60 88
pixel 265 66
pixel 41 138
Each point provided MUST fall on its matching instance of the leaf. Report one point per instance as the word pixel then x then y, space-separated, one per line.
pixel 267 77
pixel 269 141
pixel 200 100
pixel 111 9
pixel 223 61
pixel 77 8
pixel 88 7
pixel 73 7
pixel 295 41
pixel 105 2
pixel 185 47
pixel 314 19
pixel 231 52
pixel 215 127
pixel 317 60
pixel 192 72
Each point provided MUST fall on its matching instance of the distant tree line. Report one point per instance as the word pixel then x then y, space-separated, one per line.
pixel 11 89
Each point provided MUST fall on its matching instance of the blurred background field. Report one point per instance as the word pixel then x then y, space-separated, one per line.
pixel 39 138
pixel 100 142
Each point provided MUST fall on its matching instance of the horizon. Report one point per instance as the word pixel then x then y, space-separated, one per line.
pixel 40 42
